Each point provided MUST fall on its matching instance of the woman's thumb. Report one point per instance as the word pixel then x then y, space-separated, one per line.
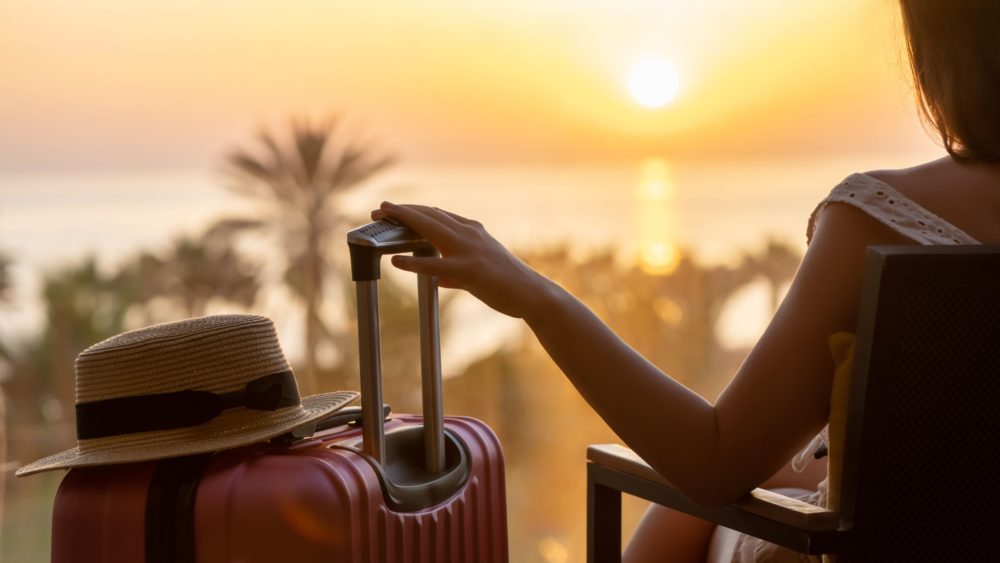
pixel 431 266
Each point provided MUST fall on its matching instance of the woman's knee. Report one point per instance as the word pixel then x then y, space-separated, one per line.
pixel 664 534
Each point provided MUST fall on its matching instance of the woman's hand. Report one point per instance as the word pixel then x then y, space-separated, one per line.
pixel 470 259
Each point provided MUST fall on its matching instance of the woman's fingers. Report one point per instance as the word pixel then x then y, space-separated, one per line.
pixel 426 265
pixel 442 228
pixel 460 219
pixel 442 215
pixel 431 266
pixel 447 219
pixel 421 219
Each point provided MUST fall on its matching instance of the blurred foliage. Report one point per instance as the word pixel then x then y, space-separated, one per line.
pixel 544 425
pixel 400 341
pixel 85 304
pixel 187 277
pixel 5 278
pixel 6 285
pixel 5 290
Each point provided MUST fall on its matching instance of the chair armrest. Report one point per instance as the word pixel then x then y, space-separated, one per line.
pixel 759 502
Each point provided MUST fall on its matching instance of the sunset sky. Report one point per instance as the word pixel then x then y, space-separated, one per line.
pixel 119 84
pixel 116 116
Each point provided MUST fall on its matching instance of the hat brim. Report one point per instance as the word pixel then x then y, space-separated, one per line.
pixel 231 429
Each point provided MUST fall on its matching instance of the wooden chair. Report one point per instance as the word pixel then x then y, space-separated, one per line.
pixel 921 468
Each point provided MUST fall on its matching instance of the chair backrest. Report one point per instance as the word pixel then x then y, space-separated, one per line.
pixel 922 448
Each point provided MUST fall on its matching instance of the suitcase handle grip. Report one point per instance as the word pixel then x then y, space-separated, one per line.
pixel 367 246
pixel 366 260
pixel 370 242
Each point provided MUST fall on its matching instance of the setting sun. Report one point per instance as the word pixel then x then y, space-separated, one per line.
pixel 653 82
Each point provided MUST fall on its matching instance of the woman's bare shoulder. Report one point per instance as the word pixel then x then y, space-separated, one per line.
pixel 966 195
pixel 933 175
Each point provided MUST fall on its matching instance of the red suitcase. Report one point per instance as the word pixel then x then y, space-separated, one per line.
pixel 310 501
pixel 402 489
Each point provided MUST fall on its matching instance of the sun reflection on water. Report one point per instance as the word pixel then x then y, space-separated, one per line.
pixel 658 252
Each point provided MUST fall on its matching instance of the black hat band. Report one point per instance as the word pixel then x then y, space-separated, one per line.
pixel 181 409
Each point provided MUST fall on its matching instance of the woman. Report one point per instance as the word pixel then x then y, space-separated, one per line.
pixel 779 398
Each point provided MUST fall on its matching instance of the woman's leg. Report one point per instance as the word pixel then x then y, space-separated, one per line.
pixel 665 535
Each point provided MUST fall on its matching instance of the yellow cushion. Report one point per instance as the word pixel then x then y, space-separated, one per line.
pixel 842 348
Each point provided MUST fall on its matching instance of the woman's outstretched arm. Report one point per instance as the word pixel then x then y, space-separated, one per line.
pixel 714 453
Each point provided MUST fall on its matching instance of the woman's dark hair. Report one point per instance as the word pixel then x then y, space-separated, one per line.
pixel 955 56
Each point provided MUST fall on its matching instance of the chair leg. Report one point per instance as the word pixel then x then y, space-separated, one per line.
pixel 604 522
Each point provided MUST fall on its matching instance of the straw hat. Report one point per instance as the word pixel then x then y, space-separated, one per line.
pixel 193 386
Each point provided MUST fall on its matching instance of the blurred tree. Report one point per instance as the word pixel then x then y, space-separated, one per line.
pixel 190 274
pixel 140 281
pixel 400 340
pixel 82 306
pixel 6 283
pixel 541 420
pixel 777 263
pixel 5 278
pixel 5 289
pixel 670 319
pixel 299 182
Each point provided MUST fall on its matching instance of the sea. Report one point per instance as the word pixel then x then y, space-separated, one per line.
pixel 646 211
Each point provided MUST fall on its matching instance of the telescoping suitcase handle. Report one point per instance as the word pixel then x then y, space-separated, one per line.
pixel 367 245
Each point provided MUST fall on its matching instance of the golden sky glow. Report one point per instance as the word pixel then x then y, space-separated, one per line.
pixel 119 83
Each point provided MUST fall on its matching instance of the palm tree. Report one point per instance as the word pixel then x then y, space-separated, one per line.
pixel 299 181
pixel 192 273
pixel 204 271
pixel 83 305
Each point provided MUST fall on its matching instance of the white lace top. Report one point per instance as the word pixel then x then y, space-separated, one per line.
pixel 901 214
pixel 898 212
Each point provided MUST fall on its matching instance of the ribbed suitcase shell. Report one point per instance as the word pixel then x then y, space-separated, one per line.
pixel 305 502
